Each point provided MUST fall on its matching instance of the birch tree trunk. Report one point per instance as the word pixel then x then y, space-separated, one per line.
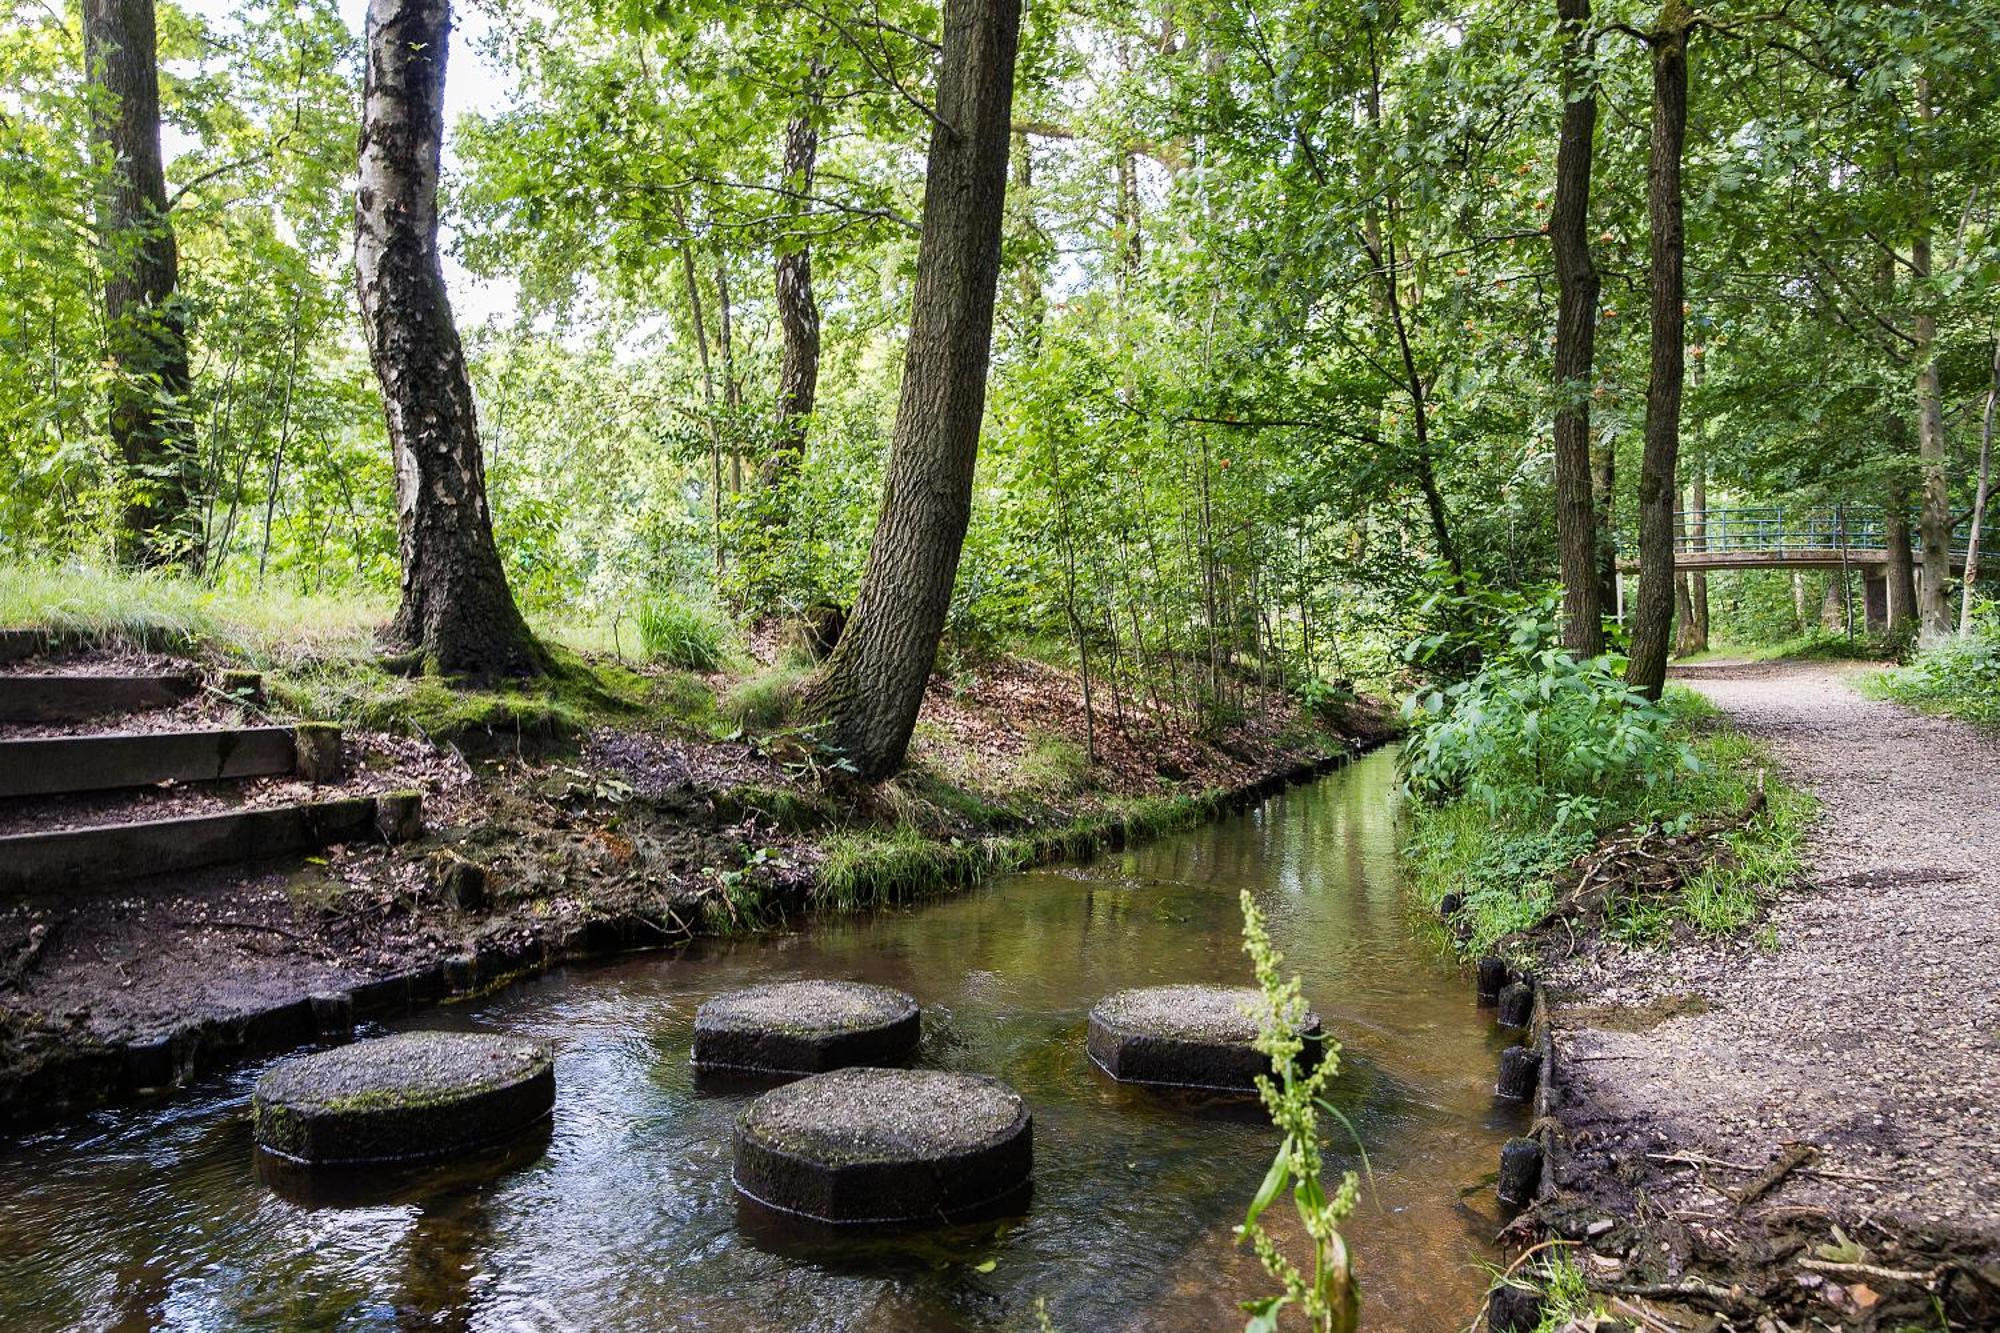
pixel 1981 495
pixel 145 323
pixel 456 607
pixel 871 688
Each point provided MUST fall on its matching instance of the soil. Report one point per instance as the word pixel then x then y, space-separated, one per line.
pixel 1795 1129
pixel 634 835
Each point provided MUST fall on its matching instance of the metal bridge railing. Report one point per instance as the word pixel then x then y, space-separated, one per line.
pixel 1773 530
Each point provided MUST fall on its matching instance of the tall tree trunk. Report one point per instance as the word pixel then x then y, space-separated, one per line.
pixel 1981 495
pixel 145 321
pixel 1604 495
pixel 1696 524
pixel 732 387
pixel 1902 572
pixel 1934 515
pixel 456 608
pixel 1577 514
pixel 870 690
pixel 1652 622
pixel 798 313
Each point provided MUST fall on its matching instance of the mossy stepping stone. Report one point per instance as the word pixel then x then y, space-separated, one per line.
pixel 405 1098
pixel 887 1146
pixel 805 1027
pixel 1185 1036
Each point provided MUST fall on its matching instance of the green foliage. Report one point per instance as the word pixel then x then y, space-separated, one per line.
pixel 1323 1291
pixel 1507 864
pixel 1958 676
pixel 1538 734
pixel 1052 767
pixel 681 634
pixel 763 702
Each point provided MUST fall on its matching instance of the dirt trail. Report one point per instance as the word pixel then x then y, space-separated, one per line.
pixel 1872 1031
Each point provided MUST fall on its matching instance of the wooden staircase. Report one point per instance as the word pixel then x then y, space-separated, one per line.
pixel 46 757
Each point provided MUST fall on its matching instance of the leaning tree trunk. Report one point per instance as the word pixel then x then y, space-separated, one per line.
pixel 1934 513
pixel 798 313
pixel 456 608
pixel 870 691
pixel 145 323
pixel 1577 514
pixel 1653 618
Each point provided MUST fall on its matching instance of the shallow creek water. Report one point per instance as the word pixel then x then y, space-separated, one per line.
pixel 624 1218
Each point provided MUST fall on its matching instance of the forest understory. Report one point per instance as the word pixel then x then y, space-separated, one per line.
pixel 1783 1127
pixel 610 809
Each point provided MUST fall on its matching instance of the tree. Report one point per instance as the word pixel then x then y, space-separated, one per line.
pixel 1653 618
pixel 1934 511
pixel 1578 518
pixel 798 312
pixel 146 324
pixel 871 688
pixel 456 607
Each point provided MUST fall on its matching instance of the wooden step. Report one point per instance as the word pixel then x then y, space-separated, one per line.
pixel 37 863
pixel 45 699
pixel 18 645
pixel 54 765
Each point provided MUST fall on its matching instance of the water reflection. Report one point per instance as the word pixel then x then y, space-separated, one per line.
pixel 156 1218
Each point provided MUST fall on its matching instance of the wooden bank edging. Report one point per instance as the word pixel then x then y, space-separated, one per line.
pixel 76 1078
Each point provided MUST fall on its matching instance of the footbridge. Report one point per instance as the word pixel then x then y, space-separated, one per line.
pixel 1770 537
pixel 1836 538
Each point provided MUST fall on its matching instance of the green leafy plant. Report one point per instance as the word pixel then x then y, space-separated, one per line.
pixel 1323 1291
pixel 681 635
pixel 1538 733
pixel 1958 675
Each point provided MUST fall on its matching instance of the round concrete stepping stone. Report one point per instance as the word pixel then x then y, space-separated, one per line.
pixel 403 1098
pixel 886 1146
pixel 1184 1036
pixel 805 1027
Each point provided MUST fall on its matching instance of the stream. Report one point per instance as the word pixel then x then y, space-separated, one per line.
pixel 623 1217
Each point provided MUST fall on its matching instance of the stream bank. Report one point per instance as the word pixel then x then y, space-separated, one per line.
pixel 1790 1128
pixel 153 1214
pixel 620 812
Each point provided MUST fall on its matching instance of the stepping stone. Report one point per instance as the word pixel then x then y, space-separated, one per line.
pixel 1185 1036
pixel 70 859
pixel 887 1146
pixel 805 1027
pixel 404 1098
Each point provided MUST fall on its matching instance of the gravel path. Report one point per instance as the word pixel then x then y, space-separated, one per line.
pixel 1873 1029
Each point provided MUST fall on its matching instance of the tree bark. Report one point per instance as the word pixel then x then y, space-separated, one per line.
pixel 1696 523
pixel 798 312
pixel 1980 495
pixel 1902 572
pixel 146 324
pixel 456 607
pixel 1653 617
pixel 872 687
pixel 1577 514
pixel 1934 515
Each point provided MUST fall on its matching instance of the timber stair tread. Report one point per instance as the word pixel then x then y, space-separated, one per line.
pixel 66 860
pixel 61 697
pixel 56 765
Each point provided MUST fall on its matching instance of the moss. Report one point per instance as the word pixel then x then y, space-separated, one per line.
pixel 570 696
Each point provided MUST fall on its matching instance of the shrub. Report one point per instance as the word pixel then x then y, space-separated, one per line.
pixel 1538 734
pixel 678 634
pixel 1958 675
